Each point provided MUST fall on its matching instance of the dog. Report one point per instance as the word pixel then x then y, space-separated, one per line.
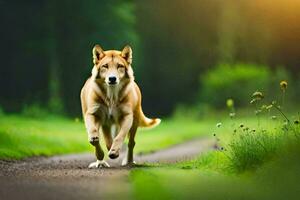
pixel 111 102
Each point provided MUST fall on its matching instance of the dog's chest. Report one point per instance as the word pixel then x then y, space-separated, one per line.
pixel 110 113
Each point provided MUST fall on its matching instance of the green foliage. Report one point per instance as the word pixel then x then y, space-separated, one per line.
pixel 237 82
pixel 233 81
pixel 199 111
pixel 249 148
pixel 34 111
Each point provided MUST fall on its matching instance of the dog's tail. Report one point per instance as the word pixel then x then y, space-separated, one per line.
pixel 147 122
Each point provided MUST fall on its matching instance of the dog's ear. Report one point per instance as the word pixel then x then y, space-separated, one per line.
pixel 98 54
pixel 127 54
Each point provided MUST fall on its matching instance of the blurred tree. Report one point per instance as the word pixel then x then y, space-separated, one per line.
pixel 182 39
pixel 55 102
pixel 23 77
pixel 177 44
pixel 229 23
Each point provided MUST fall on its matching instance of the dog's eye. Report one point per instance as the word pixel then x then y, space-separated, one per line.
pixel 120 66
pixel 105 66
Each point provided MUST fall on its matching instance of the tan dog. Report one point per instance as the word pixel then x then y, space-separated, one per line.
pixel 111 101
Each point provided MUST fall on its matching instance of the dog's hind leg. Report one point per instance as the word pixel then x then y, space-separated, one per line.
pixel 128 160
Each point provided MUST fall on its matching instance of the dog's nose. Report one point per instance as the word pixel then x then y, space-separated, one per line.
pixel 112 80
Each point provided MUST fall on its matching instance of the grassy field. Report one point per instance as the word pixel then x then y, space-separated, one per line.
pixel 24 137
pixel 257 158
pixel 277 179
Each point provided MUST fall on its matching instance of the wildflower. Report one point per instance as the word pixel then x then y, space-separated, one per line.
pixel 214 135
pixel 264 107
pixel 258 95
pixel 296 122
pixel 241 125
pixel 246 129
pixel 230 103
pixel 218 125
pixel 252 101
pixel 269 107
pixel 257 112
pixel 274 117
pixel 283 85
pixel 232 115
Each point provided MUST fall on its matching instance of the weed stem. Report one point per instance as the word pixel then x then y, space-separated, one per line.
pixel 282 114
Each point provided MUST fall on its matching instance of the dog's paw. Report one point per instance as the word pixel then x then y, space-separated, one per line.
pixel 98 164
pixel 113 154
pixel 94 140
pixel 126 163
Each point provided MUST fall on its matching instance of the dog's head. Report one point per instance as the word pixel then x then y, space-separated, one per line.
pixel 112 67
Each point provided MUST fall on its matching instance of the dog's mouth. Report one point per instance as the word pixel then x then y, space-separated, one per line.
pixel 111 84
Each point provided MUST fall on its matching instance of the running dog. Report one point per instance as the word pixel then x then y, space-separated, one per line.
pixel 111 104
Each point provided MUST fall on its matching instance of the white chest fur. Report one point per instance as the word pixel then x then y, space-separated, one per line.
pixel 112 98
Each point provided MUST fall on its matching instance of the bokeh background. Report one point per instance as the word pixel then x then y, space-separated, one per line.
pixel 186 53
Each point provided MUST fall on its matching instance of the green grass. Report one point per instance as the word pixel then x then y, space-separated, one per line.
pixel 170 132
pixel 219 174
pixel 261 164
pixel 172 183
pixel 22 136
pixel 277 180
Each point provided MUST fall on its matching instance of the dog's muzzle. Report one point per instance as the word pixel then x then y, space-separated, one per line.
pixel 112 80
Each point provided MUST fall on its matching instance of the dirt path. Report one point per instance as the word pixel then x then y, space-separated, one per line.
pixel 67 176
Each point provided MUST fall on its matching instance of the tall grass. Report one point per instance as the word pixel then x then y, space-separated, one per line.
pixel 250 148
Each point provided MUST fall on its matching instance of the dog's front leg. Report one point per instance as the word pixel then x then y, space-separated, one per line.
pixel 92 125
pixel 125 126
